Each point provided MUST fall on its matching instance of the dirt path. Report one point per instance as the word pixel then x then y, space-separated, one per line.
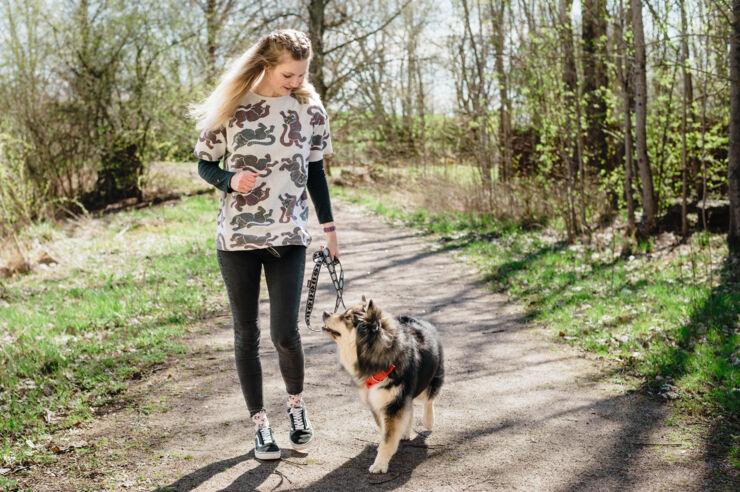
pixel 517 412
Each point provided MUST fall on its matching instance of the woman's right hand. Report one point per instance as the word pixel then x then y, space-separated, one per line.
pixel 243 182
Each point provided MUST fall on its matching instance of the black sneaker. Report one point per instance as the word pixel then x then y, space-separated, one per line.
pixel 264 445
pixel 301 431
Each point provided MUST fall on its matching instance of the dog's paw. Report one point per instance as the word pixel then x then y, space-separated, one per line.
pixel 378 467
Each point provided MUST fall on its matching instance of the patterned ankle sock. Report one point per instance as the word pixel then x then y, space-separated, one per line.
pixel 260 420
pixel 295 400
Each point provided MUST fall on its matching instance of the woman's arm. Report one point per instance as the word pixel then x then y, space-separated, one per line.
pixel 318 188
pixel 213 174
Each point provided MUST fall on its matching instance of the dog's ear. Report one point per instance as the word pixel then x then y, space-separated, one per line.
pixel 372 316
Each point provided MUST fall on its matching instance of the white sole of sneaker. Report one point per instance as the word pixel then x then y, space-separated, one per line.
pixel 301 447
pixel 267 456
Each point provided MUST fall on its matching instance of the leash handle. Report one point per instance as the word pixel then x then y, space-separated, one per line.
pixel 323 257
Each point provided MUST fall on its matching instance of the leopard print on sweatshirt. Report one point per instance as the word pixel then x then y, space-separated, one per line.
pixel 276 137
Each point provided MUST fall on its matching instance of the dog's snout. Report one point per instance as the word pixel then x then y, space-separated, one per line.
pixel 326 315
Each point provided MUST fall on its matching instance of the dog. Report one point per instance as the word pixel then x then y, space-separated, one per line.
pixel 392 362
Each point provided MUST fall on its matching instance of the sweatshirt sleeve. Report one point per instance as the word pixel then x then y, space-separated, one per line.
pixel 321 137
pixel 211 145
pixel 318 188
pixel 213 174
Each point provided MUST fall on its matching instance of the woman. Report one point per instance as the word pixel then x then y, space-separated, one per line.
pixel 268 123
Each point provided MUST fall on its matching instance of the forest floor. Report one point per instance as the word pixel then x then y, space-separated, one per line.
pixel 518 410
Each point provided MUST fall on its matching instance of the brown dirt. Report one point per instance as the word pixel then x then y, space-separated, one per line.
pixel 518 410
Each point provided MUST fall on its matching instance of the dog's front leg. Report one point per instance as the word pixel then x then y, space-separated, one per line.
pixel 377 419
pixel 391 431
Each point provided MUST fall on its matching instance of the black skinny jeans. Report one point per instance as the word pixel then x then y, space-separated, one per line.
pixel 241 271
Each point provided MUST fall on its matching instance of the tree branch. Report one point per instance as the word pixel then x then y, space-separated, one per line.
pixel 360 38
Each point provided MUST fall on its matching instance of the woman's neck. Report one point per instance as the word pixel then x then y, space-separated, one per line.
pixel 261 90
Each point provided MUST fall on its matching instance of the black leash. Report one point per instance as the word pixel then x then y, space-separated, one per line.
pixel 323 257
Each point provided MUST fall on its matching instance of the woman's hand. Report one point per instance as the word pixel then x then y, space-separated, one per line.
pixel 243 182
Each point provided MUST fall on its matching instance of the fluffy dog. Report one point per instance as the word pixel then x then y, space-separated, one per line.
pixel 392 361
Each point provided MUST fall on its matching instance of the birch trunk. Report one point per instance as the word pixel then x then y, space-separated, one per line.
pixel 649 211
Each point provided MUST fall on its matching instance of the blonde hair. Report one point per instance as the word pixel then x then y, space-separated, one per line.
pixel 215 110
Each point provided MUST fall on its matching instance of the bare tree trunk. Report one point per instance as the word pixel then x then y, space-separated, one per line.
pixel 214 12
pixel 733 172
pixel 497 16
pixel 649 211
pixel 625 77
pixel 684 58
pixel 570 78
pixel 422 114
pixel 413 25
pixel 479 103
pixel 628 152
pixel 316 29
pixel 593 30
pixel 211 29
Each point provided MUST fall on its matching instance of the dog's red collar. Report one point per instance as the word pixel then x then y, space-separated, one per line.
pixel 377 378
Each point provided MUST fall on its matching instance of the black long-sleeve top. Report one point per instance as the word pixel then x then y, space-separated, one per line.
pixel 316 184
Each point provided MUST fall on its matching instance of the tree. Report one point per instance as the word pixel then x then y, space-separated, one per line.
pixel 573 118
pixel 733 171
pixel 474 85
pixel 624 76
pixel 497 18
pixel 593 33
pixel 345 17
pixel 649 209
pixel 684 108
pixel 225 30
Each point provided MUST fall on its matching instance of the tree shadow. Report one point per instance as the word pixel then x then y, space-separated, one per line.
pixel 501 274
pixel 195 479
pixel 354 474
pixel 710 333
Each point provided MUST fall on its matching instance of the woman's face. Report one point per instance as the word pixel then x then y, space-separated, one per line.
pixel 281 79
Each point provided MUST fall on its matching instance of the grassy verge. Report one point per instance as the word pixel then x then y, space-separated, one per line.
pixel 668 314
pixel 73 334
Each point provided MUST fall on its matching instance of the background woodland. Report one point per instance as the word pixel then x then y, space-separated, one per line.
pixel 579 111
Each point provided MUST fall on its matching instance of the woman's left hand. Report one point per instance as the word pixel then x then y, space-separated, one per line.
pixel 331 243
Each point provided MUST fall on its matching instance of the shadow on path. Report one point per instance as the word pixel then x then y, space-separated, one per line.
pixel 354 475
pixel 202 475
pixel 713 322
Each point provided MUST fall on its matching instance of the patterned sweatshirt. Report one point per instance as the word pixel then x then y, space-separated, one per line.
pixel 275 137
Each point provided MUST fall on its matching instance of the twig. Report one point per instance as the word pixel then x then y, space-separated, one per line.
pixel 656 444
pixel 389 478
pixel 282 477
pixel 295 463
pixel 425 446
pixel 493 331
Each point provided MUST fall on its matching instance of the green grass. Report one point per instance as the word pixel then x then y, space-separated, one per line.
pixel 73 336
pixel 671 318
